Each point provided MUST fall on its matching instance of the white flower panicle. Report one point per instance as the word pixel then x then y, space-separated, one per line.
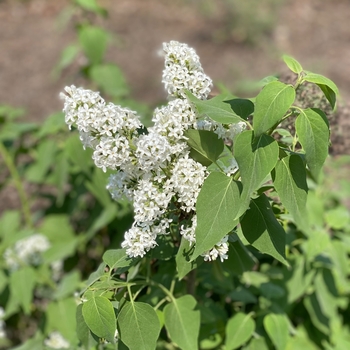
pixel 26 251
pixel 183 71
pixel 55 340
pixel 186 180
pixel 219 251
pixel 153 169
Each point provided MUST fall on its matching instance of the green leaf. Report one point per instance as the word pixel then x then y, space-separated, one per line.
pixel 183 259
pixel 206 143
pixel 239 259
pixel 182 322
pixel 138 326
pixel 239 329
pixel 217 109
pixel 91 5
pixel 68 285
pixel 338 218
pixel 83 332
pixel 276 326
pixel 61 318
pixel 242 107
pixel 117 258
pixel 68 55
pixel 94 42
pixel 319 320
pixel 289 179
pixel 44 159
pixel 328 87
pixel 98 313
pixel 271 104
pixel 97 187
pixel 313 133
pixel 292 64
pixel 52 125
pixel 256 157
pixel 217 206
pixel 257 344
pixel 110 79
pixel 22 283
pixel 262 230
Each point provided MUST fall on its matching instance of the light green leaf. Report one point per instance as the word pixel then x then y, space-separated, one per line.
pixel 319 320
pixel 313 133
pixel 276 326
pixel 206 143
pixel 257 344
pixel 239 329
pixel 217 108
pixel 138 326
pixel 68 285
pixel 83 332
pixel 328 87
pixel 182 322
pixel 94 42
pixel 98 313
pixel 91 5
pixel 256 158
pixel 292 64
pixel 217 206
pixel 68 55
pixel 45 158
pixel 22 283
pixel 271 104
pixel 61 318
pixel 262 230
pixel 110 79
pixel 97 187
pixel 116 258
pixel 289 179
pixel 183 259
pixel 338 218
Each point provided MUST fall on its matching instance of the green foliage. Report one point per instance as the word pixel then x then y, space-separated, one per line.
pixel 284 284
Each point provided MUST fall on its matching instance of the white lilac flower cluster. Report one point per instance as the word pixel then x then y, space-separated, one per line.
pixel 55 340
pixel 154 169
pixel 28 251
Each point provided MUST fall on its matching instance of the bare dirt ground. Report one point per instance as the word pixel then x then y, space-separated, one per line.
pixel 32 39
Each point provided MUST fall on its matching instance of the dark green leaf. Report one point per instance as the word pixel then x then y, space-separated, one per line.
pixel 138 326
pixel 242 107
pixel 182 322
pixel 271 105
pixel 98 313
pixel 217 206
pixel 289 179
pixel 313 132
pixel 239 259
pixel 206 143
pixel 262 230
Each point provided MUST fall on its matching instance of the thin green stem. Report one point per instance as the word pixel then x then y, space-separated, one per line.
pixel 18 184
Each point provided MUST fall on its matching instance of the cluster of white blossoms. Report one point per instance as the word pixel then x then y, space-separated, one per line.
pixel 28 251
pixel 55 340
pixel 153 169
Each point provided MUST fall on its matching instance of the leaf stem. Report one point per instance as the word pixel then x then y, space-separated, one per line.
pixel 18 184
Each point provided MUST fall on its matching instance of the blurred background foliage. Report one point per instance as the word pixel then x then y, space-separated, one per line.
pixel 48 183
